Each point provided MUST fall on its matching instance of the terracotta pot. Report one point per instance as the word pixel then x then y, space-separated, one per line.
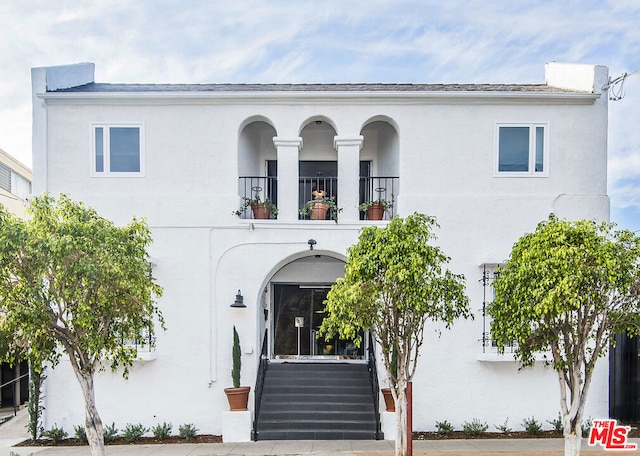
pixel 388 399
pixel 319 211
pixel 261 211
pixel 375 211
pixel 238 398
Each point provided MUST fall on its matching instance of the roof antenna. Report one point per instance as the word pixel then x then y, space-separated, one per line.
pixel 615 87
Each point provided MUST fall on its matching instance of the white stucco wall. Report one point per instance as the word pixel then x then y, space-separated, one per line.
pixel 445 158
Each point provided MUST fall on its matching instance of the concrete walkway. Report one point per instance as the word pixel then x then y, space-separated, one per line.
pixel 14 432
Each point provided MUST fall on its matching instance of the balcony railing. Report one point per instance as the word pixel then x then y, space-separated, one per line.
pixel 252 187
pixel 310 188
pixel 379 189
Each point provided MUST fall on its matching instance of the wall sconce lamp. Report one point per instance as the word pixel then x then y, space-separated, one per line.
pixel 239 302
pixel 311 243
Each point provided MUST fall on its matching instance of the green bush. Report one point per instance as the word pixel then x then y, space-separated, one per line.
pixel 55 434
pixel 557 424
pixel 444 427
pixel 532 426
pixel 80 433
pixel 133 432
pixel 586 427
pixel 504 427
pixel 162 431
pixel 187 431
pixel 475 427
pixel 109 433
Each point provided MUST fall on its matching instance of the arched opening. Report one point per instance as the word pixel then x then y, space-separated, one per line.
pixel 257 168
pixel 379 168
pixel 298 291
pixel 318 164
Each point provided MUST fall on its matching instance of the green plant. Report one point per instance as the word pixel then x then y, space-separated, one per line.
pixel 248 202
pixel 504 427
pixel 55 434
pixel 109 433
pixel 35 407
pixel 133 432
pixel 557 424
pixel 162 431
pixel 80 433
pixel 236 359
pixel 532 426
pixel 444 427
pixel 586 426
pixel 367 204
pixel 475 427
pixel 187 431
pixel 329 201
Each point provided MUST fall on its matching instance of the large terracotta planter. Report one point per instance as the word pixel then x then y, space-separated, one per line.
pixel 319 211
pixel 238 398
pixel 375 211
pixel 261 211
pixel 388 399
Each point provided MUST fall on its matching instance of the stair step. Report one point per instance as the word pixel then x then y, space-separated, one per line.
pixel 315 435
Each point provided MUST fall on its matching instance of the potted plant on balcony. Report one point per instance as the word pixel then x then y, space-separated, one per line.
pixel 375 209
pixel 317 208
pixel 260 209
pixel 238 396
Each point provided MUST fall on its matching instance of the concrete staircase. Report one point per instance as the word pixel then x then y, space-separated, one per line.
pixel 317 401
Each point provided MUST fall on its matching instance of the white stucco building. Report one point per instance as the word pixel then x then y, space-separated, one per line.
pixel 489 161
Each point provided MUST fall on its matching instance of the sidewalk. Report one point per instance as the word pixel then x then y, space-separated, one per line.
pixel 14 432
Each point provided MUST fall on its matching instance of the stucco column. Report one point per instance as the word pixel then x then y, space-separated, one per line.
pixel 288 170
pixel 348 176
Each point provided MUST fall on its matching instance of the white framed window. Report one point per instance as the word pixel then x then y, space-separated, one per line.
pixel 522 150
pixel 118 150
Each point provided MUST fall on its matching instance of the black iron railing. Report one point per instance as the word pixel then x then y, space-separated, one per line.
pixel 375 386
pixel 382 189
pixel 13 383
pixel 143 344
pixel 317 187
pixel 254 187
pixel 263 363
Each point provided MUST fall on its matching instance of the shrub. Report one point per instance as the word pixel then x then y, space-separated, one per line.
pixel 444 427
pixel 109 433
pixel 187 431
pixel 475 427
pixel 162 431
pixel 80 433
pixel 557 424
pixel 586 426
pixel 133 432
pixel 532 426
pixel 504 427
pixel 55 434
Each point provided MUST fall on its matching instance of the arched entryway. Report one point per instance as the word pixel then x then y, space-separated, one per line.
pixel 297 309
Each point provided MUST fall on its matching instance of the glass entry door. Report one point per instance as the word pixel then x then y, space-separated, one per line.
pixel 298 311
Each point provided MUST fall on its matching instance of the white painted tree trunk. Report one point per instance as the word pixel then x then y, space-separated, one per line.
pixel 401 421
pixel 93 423
pixel 572 443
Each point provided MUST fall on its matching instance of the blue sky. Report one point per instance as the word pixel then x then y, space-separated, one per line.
pixel 329 41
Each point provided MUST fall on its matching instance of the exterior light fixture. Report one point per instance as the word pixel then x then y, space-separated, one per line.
pixel 239 302
pixel 311 243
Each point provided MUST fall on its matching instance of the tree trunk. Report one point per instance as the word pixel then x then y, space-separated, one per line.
pixel 93 423
pixel 572 436
pixel 401 420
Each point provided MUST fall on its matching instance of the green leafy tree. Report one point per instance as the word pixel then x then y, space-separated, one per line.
pixel 71 282
pixel 394 282
pixel 564 292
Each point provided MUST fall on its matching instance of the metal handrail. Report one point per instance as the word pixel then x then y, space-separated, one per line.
pixel 375 386
pixel 262 369
pixel 10 382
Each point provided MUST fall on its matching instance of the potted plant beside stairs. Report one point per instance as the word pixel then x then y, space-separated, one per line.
pixel 238 396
